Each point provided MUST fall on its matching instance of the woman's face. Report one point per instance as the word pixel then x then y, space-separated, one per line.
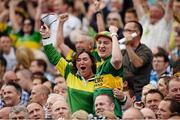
pixel 27 26
pixel 84 65
pixel 162 87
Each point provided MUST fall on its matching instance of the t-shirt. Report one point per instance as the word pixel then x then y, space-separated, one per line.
pixel 107 76
pixel 80 91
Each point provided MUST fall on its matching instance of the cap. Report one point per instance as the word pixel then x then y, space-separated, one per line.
pixel 103 34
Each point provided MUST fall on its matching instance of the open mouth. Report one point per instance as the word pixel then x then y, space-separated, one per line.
pixel 102 49
pixel 83 68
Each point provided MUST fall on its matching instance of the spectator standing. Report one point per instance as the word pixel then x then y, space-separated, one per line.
pixel 137 59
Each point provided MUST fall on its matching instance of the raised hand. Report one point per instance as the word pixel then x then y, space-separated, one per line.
pixel 44 31
pixel 118 93
pixel 113 29
pixel 63 17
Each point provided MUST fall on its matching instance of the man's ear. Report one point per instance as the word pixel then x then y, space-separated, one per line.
pixel 112 106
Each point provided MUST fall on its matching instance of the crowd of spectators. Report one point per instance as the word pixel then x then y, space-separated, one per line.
pixel 89 59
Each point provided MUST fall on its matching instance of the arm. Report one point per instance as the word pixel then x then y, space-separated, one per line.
pixel 139 9
pixel 53 55
pixel 38 14
pixel 116 59
pixel 135 59
pixel 169 11
pixel 15 24
pixel 99 17
pixel 60 37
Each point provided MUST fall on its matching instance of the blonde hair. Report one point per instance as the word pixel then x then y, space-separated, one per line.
pixel 80 115
pixel 24 57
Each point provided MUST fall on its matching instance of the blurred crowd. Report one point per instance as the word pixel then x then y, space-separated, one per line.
pixel 89 59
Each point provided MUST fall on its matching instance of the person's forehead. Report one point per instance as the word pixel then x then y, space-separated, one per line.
pixel 59 104
pixel 84 54
pixel 130 25
pixel 33 106
pixel 152 96
pixel 174 83
pixel 103 38
pixel 9 88
pixel 5 38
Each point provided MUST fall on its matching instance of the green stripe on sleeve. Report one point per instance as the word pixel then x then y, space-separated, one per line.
pixel 52 54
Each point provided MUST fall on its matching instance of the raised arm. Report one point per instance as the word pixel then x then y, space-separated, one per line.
pixel 99 17
pixel 12 15
pixel 139 9
pixel 169 11
pixel 116 59
pixel 38 14
pixel 60 36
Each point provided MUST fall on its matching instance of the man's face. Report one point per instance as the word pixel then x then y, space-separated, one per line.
pixel 104 47
pixel 176 6
pixel 60 110
pixel 159 64
pixel 164 110
pixel 152 101
pixel 35 68
pixel 61 89
pixel 35 95
pixel 174 89
pixel 59 6
pixel 35 111
pixel 155 14
pixel 102 103
pixel 11 96
pixel 21 80
pixel 82 43
pixel 59 80
pixel 113 19
pixel 130 17
pixel 5 43
pixel 130 28
pixel 18 116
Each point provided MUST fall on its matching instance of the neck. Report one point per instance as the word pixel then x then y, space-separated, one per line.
pixel 88 76
pixel 135 43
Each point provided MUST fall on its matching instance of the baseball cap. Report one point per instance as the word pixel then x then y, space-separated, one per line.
pixel 103 34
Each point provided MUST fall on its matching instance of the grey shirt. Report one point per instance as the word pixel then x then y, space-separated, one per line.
pixel 138 77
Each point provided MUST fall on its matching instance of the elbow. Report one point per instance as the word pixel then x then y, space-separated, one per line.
pixel 117 63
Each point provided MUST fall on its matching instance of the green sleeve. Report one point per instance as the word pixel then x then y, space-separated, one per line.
pixel 52 54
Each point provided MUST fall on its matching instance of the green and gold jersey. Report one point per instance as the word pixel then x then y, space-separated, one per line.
pixel 107 76
pixel 80 91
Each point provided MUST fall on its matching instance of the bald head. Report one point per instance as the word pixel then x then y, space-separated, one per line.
pixel 148 113
pixel 132 114
pixel 35 111
pixel 39 94
pixel 4 113
pixel 9 76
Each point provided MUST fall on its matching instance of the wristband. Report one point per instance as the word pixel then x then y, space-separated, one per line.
pixel 114 34
pixel 97 12
pixel 46 41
